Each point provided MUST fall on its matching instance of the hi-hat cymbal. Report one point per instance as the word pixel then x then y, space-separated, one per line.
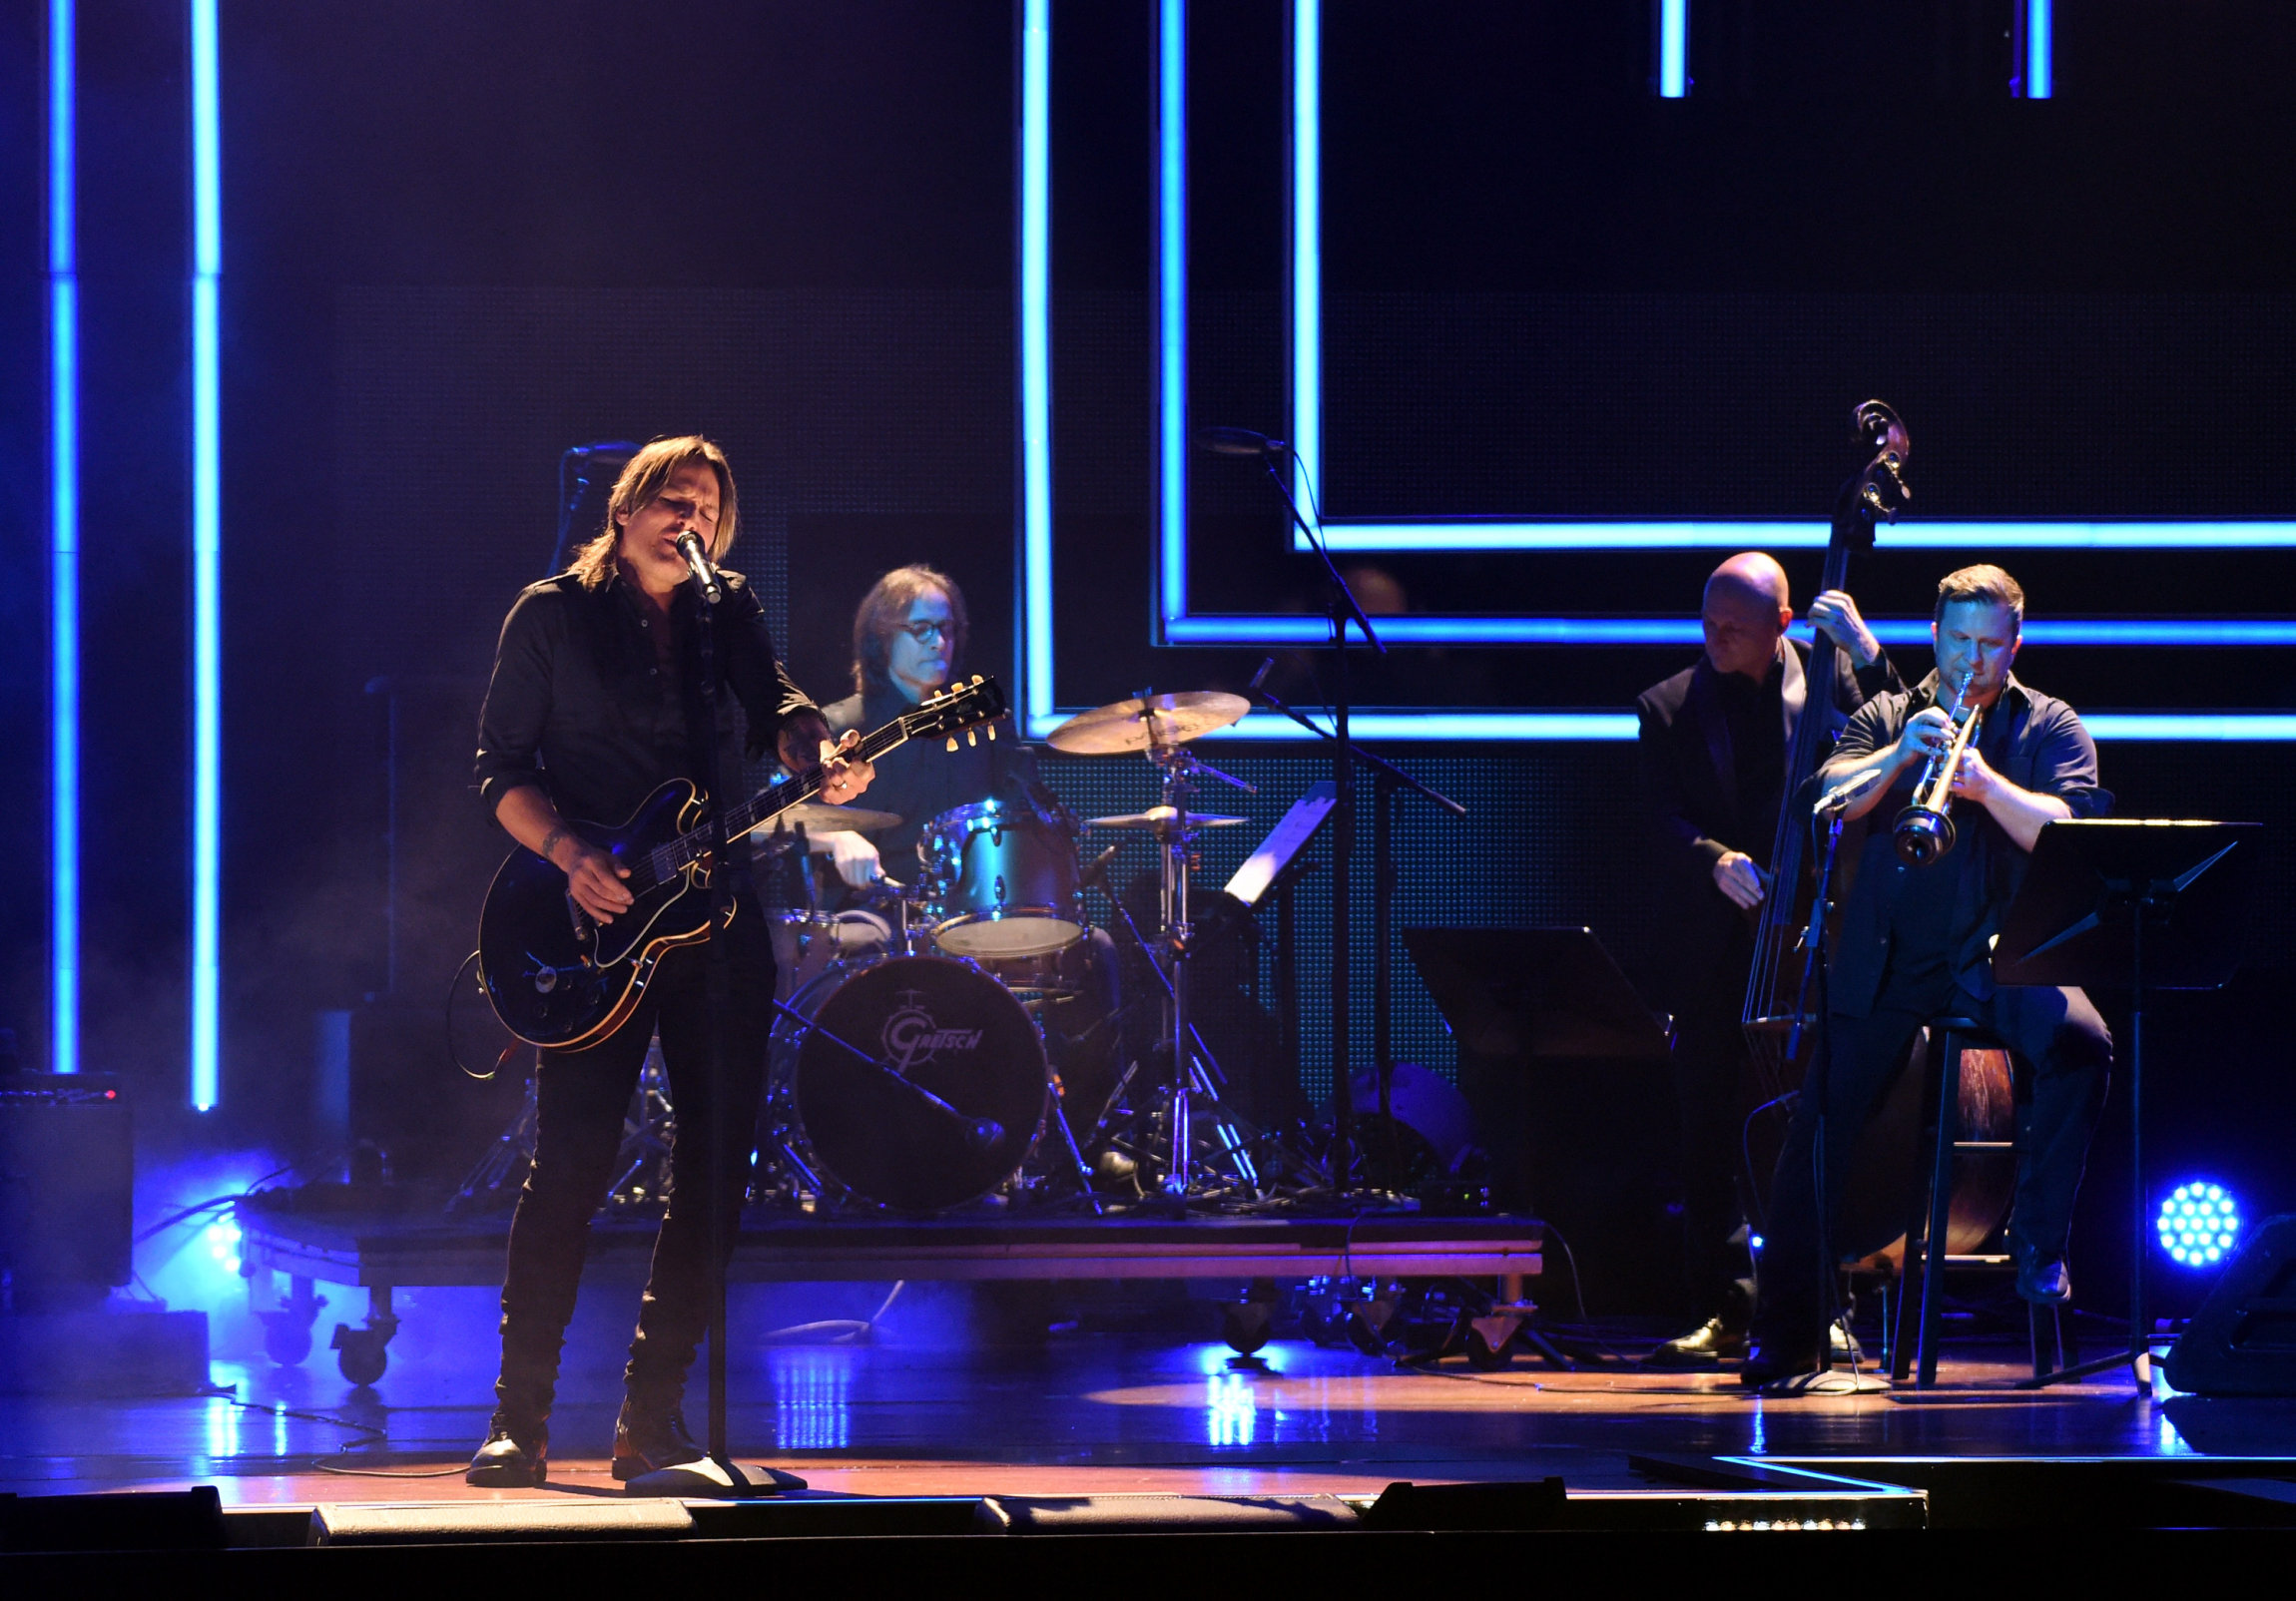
pixel 1163 817
pixel 1125 726
pixel 819 817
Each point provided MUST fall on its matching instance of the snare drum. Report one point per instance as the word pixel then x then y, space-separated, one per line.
pixel 1002 882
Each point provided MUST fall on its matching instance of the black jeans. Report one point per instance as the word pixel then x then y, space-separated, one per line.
pixel 2055 1033
pixel 580 1099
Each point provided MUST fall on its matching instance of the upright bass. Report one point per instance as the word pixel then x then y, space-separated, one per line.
pixel 1775 986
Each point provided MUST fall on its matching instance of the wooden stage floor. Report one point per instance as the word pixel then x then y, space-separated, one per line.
pixel 1086 1414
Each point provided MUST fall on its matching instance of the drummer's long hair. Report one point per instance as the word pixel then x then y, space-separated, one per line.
pixel 645 477
pixel 885 607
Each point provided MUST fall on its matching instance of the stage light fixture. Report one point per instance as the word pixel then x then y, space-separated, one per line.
pixel 2198 1224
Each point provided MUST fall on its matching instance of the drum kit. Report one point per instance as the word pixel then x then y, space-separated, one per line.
pixel 920 1061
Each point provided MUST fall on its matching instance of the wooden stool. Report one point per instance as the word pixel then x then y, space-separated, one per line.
pixel 1927 1230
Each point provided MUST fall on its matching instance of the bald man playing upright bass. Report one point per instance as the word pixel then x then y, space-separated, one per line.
pixel 1714 744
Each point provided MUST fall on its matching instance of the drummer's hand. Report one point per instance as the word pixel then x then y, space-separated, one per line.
pixel 856 860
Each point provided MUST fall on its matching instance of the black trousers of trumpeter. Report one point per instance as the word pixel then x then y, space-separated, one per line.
pixel 580 1099
pixel 2064 1054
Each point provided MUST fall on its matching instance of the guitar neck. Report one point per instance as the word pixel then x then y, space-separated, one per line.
pixel 766 805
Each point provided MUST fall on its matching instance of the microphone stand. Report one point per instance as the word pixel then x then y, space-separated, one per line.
pixel 1342 608
pixel 1387 781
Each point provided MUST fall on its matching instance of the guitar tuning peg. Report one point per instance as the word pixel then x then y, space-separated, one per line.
pixel 976 678
pixel 953 742
pixel 972 735
pixel 992 734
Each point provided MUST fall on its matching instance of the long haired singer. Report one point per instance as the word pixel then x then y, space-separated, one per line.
pixel 595 688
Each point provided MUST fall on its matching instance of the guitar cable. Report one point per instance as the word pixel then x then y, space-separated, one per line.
pixel 447 1021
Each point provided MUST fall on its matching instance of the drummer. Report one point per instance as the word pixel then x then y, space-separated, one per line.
pixel 908 634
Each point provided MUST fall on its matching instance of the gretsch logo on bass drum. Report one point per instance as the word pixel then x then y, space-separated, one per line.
pixel 911 1038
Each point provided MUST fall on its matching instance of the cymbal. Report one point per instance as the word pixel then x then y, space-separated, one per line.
pixel 1177 717
pixel 819 817
pixel 1162 817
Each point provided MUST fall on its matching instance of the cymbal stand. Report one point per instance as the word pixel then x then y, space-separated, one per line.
pixel 1190 1077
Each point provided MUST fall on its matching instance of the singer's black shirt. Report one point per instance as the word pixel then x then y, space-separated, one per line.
pixel 1910 918
pixel 581 705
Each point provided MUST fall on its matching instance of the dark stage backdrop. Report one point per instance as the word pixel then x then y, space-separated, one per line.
pixel 462 238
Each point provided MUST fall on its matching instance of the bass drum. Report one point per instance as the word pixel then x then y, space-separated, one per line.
pixel 880 1032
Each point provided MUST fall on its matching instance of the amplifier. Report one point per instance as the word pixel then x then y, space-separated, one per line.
pixel 67 1187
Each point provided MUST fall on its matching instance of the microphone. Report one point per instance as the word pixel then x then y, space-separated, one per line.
pixel 697 563
pixel 1841 795
pixel 1261 677
pixel 1239 442
pixel 1097 871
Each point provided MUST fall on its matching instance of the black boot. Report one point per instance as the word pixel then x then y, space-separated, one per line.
pixel 514 1456
pixel 651 1434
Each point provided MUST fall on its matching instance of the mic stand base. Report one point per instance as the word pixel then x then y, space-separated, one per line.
pixel 708 1478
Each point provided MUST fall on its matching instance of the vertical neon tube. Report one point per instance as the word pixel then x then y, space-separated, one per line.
pixel 1307 250
pixel 63 548
pixel 1172 306
pixel 1673 49
pixel 2040 48
pixel 206 560
pixel 1036 355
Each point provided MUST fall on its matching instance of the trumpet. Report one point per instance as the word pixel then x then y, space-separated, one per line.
pixel 1924 830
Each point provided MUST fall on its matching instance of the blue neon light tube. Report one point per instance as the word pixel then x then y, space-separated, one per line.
pixel 2040 48
pixel 1673 49
pixel 1035 319
pixel 1172 304
pixel 207 561
pixel 63 545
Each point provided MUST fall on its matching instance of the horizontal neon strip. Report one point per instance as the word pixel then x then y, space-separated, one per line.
pixel 1247 628
pixel 1703 534
pixel 1540 726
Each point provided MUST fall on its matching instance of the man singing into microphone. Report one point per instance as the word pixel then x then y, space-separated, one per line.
pixel 1916 944
pixel 594 704
pixel 1714 742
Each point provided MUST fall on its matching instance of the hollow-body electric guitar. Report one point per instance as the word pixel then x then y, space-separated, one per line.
pixel 558 979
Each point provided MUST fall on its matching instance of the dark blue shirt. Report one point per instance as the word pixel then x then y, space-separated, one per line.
pixel 1908 918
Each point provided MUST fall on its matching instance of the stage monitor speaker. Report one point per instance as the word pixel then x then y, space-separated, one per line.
pixel 67 1187
pixel 2243 1339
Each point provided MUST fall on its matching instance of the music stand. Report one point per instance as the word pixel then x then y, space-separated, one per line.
pixel 2156 905
pixel 1535 992
pixel 1528 994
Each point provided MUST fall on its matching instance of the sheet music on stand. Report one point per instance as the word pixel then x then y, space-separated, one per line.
pixel 1284 841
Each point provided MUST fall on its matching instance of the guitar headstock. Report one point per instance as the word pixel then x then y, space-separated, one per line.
pixel 954 709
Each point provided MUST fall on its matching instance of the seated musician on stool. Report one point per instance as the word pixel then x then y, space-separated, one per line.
pixel 909 634
pixel 1916 944
pixel 1714 744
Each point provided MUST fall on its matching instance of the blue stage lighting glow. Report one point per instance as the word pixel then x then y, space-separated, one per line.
pixel 63 548
pixel 2200 1223
pixel 2040 48
pixel 1307 249
pixel 1673 49
pixel 1172 304
pixel 1035 319
pixel 206 560
pixel 1485 535
pixel 1041 704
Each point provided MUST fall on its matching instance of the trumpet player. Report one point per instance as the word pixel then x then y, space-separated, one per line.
pixel 1916 944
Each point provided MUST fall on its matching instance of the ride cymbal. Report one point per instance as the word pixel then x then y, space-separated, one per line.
pixel 1128 724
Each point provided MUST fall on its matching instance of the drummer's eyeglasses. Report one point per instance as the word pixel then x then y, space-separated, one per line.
pixel 926 629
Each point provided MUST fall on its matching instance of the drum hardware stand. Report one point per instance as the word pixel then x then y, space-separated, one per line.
pixel 647 1130
pixel 1388 783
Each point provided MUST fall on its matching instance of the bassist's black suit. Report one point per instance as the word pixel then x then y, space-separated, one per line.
pixel 1703 795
